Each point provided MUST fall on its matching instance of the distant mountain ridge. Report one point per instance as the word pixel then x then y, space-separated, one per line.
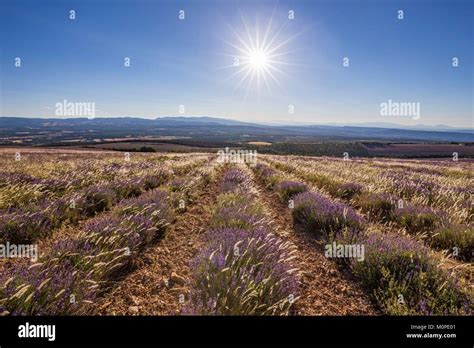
pixel 203 120
pixel 220 128
pixel 171 120
pixel 438 127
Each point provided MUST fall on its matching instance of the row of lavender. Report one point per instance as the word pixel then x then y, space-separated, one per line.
pixel 38 220
pixel 430 224
pixel 243 269
pixel 27 225
pixel 423 183
pixel 74 270
pixel 450 192
pixel 402 274
pixel 27 182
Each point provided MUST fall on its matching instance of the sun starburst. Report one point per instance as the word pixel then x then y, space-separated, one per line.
pixel 258 59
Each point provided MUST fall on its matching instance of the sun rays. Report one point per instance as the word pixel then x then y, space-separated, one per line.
pixel 259 56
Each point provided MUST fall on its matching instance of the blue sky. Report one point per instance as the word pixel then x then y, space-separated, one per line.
pixel 189 62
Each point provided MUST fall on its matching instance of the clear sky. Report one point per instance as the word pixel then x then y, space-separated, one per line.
pixel 189 62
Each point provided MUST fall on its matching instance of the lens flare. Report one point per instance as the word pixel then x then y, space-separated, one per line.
pixel 258 60
pixel 259 57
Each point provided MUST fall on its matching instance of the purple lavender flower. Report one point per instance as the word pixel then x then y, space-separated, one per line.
pixel 396 264
pixel 153 181
pixel 155 205
pixel 127 188
pixel 49 288
pixel 288 189
pixel 407 186
pixel 318 214
pixel 417 218
pixel 234 217
pixel 264 171
pixel 456 239
pixel 97 198
pixel 242 272
pixel 378 207
pixel 179 184
pixel 348 190
pixel 20 227
pixel 232 180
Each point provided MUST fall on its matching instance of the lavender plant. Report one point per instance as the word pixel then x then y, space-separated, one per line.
pixel 243 269
pixel 458 240
pixel 242 272
pixel 96 199
pixel 288 189
pixel 378 207
pixel 348 190
pixel 417 219
pixel 53 287
pixel 233 179
pixel 318 214
pixel 405 279
pixel 75 268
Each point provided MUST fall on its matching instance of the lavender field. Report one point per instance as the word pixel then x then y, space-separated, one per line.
pixel 107 233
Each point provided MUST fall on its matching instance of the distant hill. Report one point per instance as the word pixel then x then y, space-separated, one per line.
pixel 201 120
pixel 436 128
pixel 46 130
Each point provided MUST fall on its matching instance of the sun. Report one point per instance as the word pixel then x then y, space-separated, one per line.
pixel 259 57
pixel 258 60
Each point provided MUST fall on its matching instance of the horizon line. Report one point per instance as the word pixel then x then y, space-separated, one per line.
pixel 375 124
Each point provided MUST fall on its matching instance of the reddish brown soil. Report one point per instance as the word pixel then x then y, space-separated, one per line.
pixel 325 288
pixel 149 290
